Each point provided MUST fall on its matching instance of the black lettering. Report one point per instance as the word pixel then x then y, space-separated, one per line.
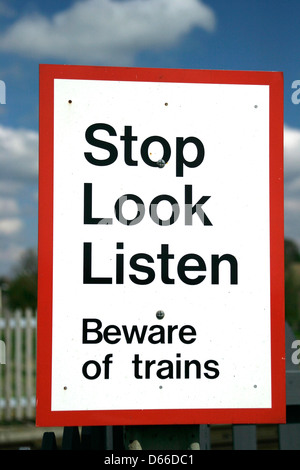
pixel 87 209
pixel 106 362
pixel 165 257
pixel 215 262
pixel 160 333
pixel 187 330
pixel 96 373
pixel 140 209
pixel 148 365
pixel 181 161
pixel 197 208
pixel 145 150
pixel 120 265
pixel 187 365
pixel 87 268
pixel 128 139
pixel 165 372
pixel 110 331
pixel 141 268
pixel 153 210
pixel 171 329
pixel 215 371
pixel 86 329
pixel 182 268
pixel 134 333
pixel 136 361
pixel 113 152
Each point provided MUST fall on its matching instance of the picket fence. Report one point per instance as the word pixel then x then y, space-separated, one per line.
pixel 17 365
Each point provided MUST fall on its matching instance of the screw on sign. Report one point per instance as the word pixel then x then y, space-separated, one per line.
pixel 160 314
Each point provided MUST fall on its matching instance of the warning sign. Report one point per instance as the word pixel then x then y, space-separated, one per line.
pixel 160 247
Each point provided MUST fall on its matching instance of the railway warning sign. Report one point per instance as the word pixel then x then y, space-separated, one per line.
pixel 160 247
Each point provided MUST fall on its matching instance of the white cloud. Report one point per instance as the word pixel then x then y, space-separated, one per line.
pixel 18 155
pixel 18 180
pixel 292 183
pixel 98 31
pixel 292 205
pixel 9 255
pixel 10 226
pixel 9 206
pixel 292 152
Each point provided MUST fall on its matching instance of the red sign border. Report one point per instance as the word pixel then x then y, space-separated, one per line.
pixel 44 415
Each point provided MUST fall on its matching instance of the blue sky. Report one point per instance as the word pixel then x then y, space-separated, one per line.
pixel 208 34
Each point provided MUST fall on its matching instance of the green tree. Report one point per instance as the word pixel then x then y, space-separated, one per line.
pixel 291 253
pixel 292 284
pixel 22 290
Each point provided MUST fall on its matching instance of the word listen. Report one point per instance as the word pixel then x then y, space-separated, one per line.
pixel 143 262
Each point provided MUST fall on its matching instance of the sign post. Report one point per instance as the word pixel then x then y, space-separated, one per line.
pixel 160 247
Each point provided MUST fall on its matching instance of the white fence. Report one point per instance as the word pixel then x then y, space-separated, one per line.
pixel 17 365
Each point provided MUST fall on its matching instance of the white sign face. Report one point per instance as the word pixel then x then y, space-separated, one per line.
pixel 161 246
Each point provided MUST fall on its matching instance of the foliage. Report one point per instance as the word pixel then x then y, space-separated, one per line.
pixel 292 285
pixel 22 289
pixel 291 253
